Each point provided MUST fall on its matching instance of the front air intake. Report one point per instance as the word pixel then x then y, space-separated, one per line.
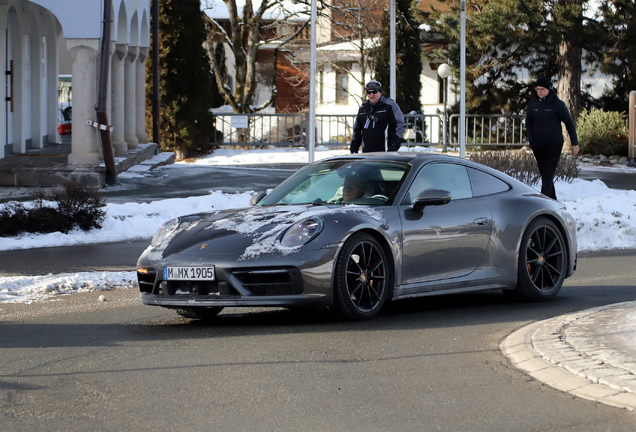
pixel 271 282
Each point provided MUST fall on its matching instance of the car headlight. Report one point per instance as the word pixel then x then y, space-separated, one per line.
pixel 302 232
pixel 164 231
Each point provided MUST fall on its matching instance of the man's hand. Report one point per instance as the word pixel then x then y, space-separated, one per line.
pixel 575 150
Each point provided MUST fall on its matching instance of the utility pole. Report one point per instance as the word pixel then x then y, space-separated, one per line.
pixel 392 62
pixel 462 82
pixel 311 136
pixel 102 115
pixel 631 151
pixel 156 105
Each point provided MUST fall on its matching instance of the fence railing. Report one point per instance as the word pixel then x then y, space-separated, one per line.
pixel 291 129
pixel 260 129
pixel 491 130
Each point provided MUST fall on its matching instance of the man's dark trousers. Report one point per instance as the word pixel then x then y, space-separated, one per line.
pixel 548 157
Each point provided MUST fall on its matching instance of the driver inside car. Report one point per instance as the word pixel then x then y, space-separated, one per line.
pixel 353 188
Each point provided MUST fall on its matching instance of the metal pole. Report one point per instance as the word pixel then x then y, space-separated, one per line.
pixel 156 104
pixel 392 84
pixel 632 130
pixel 444 71
pixel 462 83
pixel 445 147
pixel 312 85
pixel 102 115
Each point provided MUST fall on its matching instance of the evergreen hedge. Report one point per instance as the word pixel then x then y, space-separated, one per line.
pixel 602 132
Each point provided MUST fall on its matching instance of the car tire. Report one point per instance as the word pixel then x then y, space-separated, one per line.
pixel 362 278
pixel 542 261
pixel 199 312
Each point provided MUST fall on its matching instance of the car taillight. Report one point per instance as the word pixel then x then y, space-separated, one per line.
pixel 64 128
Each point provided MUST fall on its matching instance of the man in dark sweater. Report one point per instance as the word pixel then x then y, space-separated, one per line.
pixel 543 129
pixel 376 116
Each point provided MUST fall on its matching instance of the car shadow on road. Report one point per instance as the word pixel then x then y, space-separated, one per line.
pixel 422 313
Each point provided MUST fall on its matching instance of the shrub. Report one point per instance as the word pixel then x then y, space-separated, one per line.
pixel 522 165
pixel 12 218
pixel 602 132
pixel 72 206
pixel 81 206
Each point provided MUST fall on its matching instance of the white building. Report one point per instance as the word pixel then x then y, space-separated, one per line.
pixel 39 40
pixel 339 87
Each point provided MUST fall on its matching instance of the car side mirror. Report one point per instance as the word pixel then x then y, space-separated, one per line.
pixel 431 197
pixel 257 198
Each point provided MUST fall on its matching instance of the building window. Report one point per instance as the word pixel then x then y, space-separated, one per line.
pixel 342 86
pixel 321 86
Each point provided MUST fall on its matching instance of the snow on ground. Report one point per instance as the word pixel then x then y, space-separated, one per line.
pixel 255 157
pixel 27 289
pixel 606 219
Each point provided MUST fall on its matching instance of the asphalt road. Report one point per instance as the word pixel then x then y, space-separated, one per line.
pixel 613 179
pixel 430 364
pixel 173 181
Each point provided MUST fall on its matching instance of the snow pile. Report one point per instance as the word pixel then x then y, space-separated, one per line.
pixel 605 218
pixel 131 221
pixel 27 289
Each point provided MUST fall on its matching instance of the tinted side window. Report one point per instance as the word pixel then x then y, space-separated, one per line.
pixel 485 184
pixel 450 177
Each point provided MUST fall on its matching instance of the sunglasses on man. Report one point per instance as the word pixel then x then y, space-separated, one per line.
pixel 371 92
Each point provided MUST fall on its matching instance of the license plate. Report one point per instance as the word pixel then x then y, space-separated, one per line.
pixel 188 273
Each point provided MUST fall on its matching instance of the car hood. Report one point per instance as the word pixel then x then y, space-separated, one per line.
pixel 253 231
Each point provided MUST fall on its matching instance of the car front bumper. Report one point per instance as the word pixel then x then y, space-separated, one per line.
pixel 300 279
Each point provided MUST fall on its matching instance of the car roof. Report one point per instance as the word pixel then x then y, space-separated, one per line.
pixel 412 158
pixel 417 159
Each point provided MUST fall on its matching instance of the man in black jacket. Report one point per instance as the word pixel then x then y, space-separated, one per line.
pixel 543 129
pixel 377 115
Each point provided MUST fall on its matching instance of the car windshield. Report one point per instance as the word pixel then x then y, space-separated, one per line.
pixel 345 181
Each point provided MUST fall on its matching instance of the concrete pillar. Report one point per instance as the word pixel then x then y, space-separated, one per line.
pixel 142 136
pixel 85 139
pixel 109 90
pixel 118 99
pixel 130 123
pixel 37 89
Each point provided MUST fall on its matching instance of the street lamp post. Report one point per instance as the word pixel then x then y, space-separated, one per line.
pixel 444 72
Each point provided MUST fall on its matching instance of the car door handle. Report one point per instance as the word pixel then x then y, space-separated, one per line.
pixel 481 221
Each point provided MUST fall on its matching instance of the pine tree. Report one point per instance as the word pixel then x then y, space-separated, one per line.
pixel 408 57
pixel 511 43
pixel 186 83
pixel 619 55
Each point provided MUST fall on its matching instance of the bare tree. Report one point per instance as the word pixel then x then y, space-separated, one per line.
pixel 359 22
pixel 247 29
pixel 244 32
pixel 354 27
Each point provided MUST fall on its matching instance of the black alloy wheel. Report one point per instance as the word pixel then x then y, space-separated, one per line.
pixel 542 261
pixel 362 279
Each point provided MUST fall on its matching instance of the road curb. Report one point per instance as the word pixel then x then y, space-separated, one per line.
pixel 556 352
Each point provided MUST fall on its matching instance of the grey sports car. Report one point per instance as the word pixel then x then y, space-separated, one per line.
pixel 354 232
